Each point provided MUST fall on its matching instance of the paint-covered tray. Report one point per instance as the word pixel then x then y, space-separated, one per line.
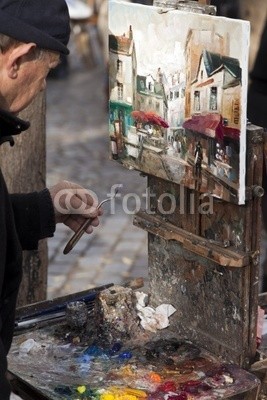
pixel 55 364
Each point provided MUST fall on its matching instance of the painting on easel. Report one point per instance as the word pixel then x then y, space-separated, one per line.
pixel 178 84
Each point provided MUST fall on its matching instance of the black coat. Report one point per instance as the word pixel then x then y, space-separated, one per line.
pixel 257 94
pixel 24 220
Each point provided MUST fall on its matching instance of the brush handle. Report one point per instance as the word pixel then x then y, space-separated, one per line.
pixel 58 304
pixel 61 307
pixel 77 236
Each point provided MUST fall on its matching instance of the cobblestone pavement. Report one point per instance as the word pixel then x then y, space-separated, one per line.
pixel 78 150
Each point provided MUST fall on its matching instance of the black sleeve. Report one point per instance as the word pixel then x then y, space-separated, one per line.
pixel 4 385
pixel 257 92
pixel 259 71
pixel 34 217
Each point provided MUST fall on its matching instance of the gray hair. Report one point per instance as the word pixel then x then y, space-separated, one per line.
pixel 6 42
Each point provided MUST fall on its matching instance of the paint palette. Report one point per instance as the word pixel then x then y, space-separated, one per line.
pixel 57 365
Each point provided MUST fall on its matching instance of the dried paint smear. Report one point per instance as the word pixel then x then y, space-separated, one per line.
pixel 59 364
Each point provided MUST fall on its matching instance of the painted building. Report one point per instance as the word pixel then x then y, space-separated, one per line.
pixel 151 95
pixel 217 88
pixel 196 42
pixel 176 100
pixel 122 81
pixel 122 68
pixel 215 112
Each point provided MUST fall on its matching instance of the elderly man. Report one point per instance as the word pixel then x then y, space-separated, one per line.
pixel 33 35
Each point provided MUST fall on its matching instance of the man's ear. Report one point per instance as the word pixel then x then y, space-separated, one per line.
pixel 15 56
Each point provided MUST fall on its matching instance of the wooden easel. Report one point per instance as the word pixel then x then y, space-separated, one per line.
pixel 213 287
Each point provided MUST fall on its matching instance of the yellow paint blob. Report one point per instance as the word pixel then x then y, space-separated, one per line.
pixel 107 396
pixel 115 393
pixel 136 392
pixel 81 389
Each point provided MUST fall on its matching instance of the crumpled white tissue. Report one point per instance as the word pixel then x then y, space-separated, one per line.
pixel 29 346
pixel 153 318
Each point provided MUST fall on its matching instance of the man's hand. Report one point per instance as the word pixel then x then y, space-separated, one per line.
pixel 73 205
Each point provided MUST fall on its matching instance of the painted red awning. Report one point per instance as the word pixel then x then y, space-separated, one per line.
pixel 211 125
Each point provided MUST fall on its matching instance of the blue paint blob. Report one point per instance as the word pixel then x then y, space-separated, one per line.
pixel 126 355
pixel 94 351
pixel 115 348
pixel 84 359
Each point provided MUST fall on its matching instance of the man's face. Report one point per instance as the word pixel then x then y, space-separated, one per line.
pixel 25 76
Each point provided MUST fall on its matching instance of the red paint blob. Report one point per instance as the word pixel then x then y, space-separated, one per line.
pixel 168 386
pixel 180 396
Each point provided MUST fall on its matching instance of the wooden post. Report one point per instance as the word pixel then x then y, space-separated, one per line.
pixel 23 167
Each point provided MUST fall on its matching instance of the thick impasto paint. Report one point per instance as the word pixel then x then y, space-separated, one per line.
pixel 178 84
pixel 159 369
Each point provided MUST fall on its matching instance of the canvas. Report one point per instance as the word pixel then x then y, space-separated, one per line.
pixel 177 96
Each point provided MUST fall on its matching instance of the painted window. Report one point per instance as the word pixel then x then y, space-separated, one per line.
pixel 119 67
pixel 213 98
pixel 120 90
pixel 142 85
pixel 197 100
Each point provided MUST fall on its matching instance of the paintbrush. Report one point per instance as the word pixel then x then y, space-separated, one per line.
pixel 58 304
pixel 45 318
pixel 79 233
pixel 56 312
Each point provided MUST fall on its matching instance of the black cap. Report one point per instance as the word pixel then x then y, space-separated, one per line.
pixel 44 22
